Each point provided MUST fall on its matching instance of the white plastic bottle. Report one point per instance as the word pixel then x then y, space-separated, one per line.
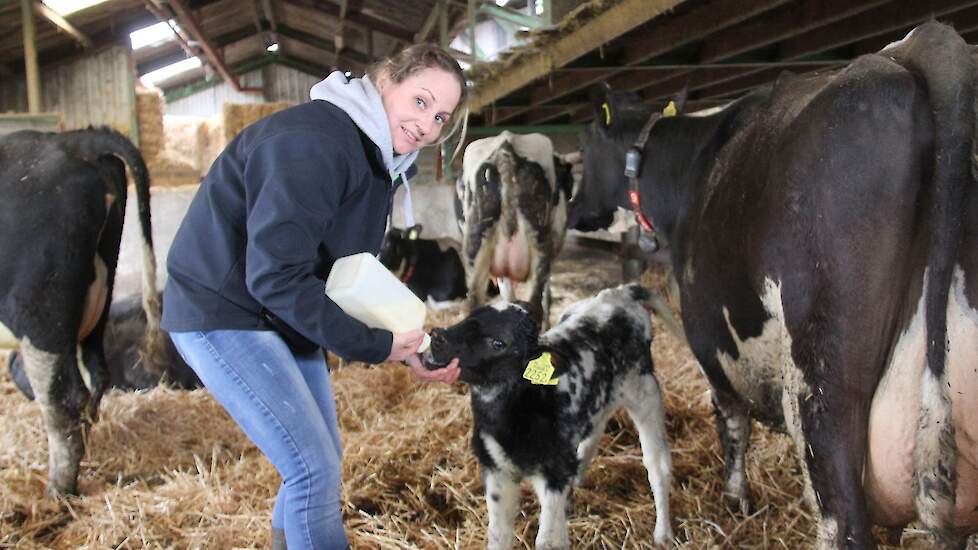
pixel 370 293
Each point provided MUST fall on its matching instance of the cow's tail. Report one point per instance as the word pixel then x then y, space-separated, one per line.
pixel 92 144
pixel 654 302
pixel 941 57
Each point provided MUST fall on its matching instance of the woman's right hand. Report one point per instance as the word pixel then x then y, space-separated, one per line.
pixel 405 344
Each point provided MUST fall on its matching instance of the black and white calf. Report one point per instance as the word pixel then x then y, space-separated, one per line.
pixel 61 214
pixel 430 268
pixel 600 352
pixel 513 203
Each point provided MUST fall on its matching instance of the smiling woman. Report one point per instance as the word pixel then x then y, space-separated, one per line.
pixel 244 301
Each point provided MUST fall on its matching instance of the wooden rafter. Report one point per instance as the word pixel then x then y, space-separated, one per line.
pixel 62 24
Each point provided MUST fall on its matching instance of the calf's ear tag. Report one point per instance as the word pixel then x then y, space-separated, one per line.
pixel 670 109
pixel 412 234
pixel 540 370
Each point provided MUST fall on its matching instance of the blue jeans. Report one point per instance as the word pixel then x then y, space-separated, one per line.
pixel 284 403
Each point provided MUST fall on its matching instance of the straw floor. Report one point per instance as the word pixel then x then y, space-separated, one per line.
pixel 168 469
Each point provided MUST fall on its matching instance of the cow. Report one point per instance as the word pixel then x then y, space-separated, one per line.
pixel 430 268
pixel 546 427
pixel 513 196
pixel 127 371
pixel 824 236
pixel 61 219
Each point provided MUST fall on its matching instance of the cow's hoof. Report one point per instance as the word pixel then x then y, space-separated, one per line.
pixel 738 503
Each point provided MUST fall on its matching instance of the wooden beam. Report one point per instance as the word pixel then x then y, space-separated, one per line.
pixel 33 73
pixel 351 56
pixel 669 35
pixel 62 24
pixel 618 20
pixel 359 19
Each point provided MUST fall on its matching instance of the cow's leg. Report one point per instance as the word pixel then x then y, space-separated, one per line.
pixel 935 456
pixel 61 395
pixel 553 533
pixel 477 275
pixel 502 502
pixel 643 401
pixel 539 280
pixel 829 425
pixel 734 428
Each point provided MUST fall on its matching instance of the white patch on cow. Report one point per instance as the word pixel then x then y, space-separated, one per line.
pixel 40 367
pixel 827 533
pixel 622 221
pixel 83 370
pixel 486 395
pixel 441 305
pixel 498 455
pixel 502 503
pixel 7 338
pixel 962 331
pixel 765 358
pixel 898 42
pixel 553 533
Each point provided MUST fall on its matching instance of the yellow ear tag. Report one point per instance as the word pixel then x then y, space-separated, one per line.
pixel 540 370
pixel 670 109
pixel 412 234
pixel 607 114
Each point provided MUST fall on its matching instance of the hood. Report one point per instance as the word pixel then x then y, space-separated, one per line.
pixel 361 101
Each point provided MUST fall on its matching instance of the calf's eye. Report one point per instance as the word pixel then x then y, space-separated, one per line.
pixel 498 344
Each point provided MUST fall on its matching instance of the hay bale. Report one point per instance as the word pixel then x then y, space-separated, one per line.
pixel 149 116
pixel 212 140
pixel 238 116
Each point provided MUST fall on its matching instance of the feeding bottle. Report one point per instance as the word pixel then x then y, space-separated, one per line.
pixel 370 293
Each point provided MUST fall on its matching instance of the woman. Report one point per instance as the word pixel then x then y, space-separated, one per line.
pixel 244 301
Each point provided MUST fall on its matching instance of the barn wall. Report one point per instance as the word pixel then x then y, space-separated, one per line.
pixel 209 101
pixel 280 83
pixel 96 89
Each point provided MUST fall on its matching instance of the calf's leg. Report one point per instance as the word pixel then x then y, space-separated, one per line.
pixel 502 502
pixel 643 401
pixel 553 533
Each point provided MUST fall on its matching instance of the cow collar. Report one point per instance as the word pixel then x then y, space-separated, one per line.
pixel 633 164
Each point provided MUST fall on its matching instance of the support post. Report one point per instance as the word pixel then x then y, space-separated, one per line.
pixel 33 75
pixel 631 255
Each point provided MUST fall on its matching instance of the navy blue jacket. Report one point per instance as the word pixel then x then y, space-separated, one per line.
pixel 289 195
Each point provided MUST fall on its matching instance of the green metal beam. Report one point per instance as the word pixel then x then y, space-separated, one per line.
pixel 482 131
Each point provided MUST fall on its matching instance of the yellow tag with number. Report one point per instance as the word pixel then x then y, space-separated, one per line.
pixel 540 370
pixel 670 109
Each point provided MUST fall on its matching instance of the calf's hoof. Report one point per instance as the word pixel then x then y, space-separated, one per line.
pixel 738 503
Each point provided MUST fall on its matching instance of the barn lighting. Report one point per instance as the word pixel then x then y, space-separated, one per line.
pixel 65 7
pixel 272 47
pixel 159 75
pixel 502 2
pixel 151 35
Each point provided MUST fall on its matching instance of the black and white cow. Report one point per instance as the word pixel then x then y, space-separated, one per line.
pixel 513 194
pixel 61 219
pixel 549 433
pixel 123 337
pixel 824 235
pixel 430 268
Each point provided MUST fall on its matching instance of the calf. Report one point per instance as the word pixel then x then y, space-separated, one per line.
pixel 431 269
pixel 61 214
pixel 513 195
pixel 127 370
pixel 548 431
pixel 824 235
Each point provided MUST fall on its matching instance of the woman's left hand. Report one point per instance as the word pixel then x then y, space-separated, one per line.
pixel 447 374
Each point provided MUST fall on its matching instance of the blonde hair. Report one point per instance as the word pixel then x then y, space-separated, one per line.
pixel 419 57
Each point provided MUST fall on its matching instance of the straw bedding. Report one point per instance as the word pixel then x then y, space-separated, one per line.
pixel 168 469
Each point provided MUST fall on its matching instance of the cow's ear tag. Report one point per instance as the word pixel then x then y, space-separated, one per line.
pixel 607 113
pixel 412 234
pixel 540 370
pixel 670 109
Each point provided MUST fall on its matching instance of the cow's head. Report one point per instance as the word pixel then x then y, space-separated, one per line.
pixel 399 245
pixel 494 344
pixel 618 119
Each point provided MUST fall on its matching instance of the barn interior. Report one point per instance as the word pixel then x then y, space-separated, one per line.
pixel 181 78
